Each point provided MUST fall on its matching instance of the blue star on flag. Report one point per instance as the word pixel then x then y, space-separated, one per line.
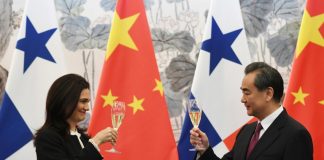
pixel 34 44
pixel 219 46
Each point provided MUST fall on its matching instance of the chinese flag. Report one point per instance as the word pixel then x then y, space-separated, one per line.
pixel 304 98
pixel 130 74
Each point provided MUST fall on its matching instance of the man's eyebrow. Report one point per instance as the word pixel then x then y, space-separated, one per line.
pixel 244 89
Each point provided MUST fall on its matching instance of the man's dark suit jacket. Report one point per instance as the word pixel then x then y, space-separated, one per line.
pixel 285 139
pixel 52 146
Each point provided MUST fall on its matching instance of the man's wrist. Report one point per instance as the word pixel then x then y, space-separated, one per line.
pixel 203 150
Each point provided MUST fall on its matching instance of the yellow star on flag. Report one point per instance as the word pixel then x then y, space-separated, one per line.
pixel 158 87
pixel 136 104
pixel 109 99
pixel 300 96
pixel 309 32
pixel 119 33
pixel 321 102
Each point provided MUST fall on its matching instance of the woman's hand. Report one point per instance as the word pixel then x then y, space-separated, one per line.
pixel 106 135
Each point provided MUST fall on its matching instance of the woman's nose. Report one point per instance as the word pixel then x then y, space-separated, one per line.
pixel 86 107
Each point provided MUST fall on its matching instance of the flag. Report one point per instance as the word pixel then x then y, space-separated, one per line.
pixel 304 98
pixel 130 74
pixel 36 63
pixel 217 79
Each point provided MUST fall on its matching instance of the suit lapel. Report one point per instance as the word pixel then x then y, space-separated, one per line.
pixel 244 140
pixel 270 135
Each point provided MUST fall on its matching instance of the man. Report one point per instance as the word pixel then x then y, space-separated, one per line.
pixel 275 136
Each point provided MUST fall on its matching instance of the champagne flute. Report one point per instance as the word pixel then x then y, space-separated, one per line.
pixel 117 116
pixel 194 114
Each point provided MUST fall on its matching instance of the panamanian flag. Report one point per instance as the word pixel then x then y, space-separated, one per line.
pixel 37 61
pixel 217 80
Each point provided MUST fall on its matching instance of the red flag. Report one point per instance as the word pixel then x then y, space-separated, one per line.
pixel 304 98
pixel 130 74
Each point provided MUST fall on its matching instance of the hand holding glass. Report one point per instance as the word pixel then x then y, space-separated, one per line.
pixel 194 114
pixel 117 116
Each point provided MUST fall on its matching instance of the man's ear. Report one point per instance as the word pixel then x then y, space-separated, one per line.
pixel 269 94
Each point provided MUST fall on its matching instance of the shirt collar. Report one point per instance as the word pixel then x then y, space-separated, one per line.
pixel 76 133
pixel 266 122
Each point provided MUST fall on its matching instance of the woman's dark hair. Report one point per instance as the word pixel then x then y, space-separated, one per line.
pixel 62 99
pixel 266 77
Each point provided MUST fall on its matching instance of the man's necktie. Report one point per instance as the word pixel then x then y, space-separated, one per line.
pixel 254 139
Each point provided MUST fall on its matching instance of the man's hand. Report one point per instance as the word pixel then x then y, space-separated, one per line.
pixel 199 139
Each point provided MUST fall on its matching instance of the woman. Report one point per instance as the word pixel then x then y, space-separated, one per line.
pixel 60 138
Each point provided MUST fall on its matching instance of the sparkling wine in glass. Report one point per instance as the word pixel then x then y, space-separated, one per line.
pixel 117 116
pixel 194 114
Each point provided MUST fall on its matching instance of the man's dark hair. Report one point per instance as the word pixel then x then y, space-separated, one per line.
pixel 266 77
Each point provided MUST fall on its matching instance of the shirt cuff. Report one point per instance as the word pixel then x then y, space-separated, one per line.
pixel 94 144
pixel 198 156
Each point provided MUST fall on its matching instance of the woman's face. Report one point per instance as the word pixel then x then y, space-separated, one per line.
pixel 79 113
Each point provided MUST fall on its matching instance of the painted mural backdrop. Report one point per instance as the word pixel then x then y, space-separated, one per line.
pixel 176 29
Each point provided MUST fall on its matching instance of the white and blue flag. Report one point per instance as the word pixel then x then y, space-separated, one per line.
pixel 217 80
pixel 37 61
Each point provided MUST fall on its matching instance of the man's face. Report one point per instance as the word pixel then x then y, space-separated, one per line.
pixel 253 99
